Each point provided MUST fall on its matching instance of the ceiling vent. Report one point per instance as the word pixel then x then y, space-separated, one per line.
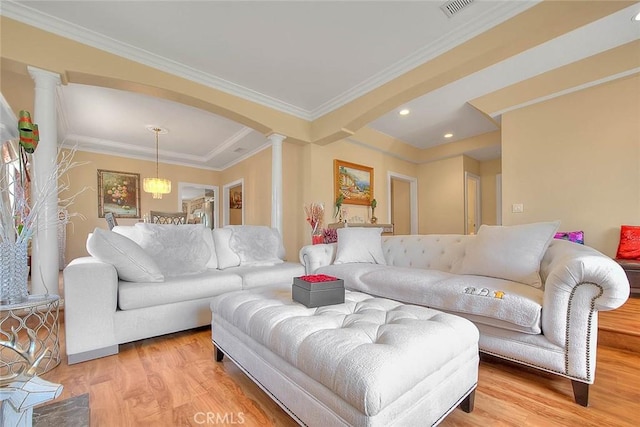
pixel 452 7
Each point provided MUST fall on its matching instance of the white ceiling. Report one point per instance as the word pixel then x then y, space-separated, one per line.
pixel 305 58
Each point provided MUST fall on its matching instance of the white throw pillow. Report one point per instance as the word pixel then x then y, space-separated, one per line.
pixel 255 244
pixel 509 252
pixel 359 244
pixel 177 249
pixel 226 256
pixel 130 260
pixel 129 231
pixel 208 238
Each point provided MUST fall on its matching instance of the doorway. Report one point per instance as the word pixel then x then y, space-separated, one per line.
pixel 402 193
pixel 232 200
pixel 200 202
pixel 472 203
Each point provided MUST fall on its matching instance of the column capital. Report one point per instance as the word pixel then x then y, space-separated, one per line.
pixel 43 76
pixel 276 138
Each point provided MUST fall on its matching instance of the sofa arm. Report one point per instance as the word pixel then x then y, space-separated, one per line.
pixel 316 256
pixel 91 298
pixel 580 281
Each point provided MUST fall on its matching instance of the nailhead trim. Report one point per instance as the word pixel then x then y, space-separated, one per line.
pixel 568 333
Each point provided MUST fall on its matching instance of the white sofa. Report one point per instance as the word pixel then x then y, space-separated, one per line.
pixel 534 299
pixel 147 280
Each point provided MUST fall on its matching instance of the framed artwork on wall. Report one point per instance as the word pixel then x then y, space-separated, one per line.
pixel 119 194
pixel 235 197
pixel 354 182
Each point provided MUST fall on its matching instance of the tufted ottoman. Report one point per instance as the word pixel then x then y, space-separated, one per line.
pixel 367 362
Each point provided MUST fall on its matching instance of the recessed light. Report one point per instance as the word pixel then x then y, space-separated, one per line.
pixel 448 135
pixel 637 17
pixel 404 112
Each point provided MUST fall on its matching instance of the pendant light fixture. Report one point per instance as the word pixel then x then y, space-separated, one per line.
pixel 157 186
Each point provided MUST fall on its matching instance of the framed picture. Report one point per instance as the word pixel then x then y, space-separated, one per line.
pixel 118 193
pixel 354 182
pixel 235 197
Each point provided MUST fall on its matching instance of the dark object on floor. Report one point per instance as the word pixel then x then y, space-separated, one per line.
pixel 71 412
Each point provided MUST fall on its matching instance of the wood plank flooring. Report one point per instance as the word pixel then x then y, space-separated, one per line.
pixel 621 328
pixel 173 380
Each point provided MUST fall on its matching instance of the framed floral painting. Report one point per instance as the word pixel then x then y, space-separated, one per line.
pixel 353 182
pixel 118 193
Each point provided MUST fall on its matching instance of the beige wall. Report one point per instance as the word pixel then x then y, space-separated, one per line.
pixel 488 171
pixel 86 204
pixel 441 197
pixel 317 179
pixel 576 158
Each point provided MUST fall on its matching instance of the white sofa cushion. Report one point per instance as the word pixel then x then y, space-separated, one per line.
pixel 489 300
pixel 256 276
pixel 208 284
pixel 132 263
pixel 509 252
pixel 177 249
pixel 359 244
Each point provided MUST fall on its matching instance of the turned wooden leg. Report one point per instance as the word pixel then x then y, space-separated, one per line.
pixel 580 392
pixel 219 353
pixel 467 404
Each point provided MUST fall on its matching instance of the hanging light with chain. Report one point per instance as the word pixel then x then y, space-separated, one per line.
pixel 157 186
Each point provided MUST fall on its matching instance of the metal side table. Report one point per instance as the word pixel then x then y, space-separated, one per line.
pixel 39 313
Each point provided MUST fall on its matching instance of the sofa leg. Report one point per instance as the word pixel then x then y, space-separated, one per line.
pixel 219 353
pixel 467 404
pixel 580 392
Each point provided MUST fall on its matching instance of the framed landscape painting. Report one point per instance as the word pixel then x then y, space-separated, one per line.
pixel 118 193
pixel 354 182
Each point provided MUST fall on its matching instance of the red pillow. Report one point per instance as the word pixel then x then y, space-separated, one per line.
pixel 629 247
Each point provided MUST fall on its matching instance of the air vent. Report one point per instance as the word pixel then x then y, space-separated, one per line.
pixel 238 150
pixel 452 7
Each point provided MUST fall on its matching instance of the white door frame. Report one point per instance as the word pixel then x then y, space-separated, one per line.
pixel 413 197
pixel 225 200
pixel 477 210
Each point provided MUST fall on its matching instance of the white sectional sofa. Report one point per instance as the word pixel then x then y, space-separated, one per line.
pixel 147 280
pixel 534 299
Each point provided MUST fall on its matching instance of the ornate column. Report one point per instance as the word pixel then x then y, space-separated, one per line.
pixel 44 246
pixel 276 180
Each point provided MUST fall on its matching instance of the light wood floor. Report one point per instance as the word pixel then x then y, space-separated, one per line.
pixel 174 381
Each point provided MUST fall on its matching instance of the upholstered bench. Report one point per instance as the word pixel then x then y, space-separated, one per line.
pixel 367 362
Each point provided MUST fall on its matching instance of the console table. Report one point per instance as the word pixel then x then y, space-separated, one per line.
pixel 387 229
pixel 39 313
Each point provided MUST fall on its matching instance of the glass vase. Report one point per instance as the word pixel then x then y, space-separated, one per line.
pixel 317 238
pixel 14 273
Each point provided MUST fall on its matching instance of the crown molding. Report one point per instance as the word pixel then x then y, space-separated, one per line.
pixel 498 13
pixel 23 13
pixel 498 114
pixel 228 143
pixel 113 148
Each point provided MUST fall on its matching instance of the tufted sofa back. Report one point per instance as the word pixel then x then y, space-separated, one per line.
pixel 443 252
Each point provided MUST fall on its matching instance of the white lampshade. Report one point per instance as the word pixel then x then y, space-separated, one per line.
pixel 156 186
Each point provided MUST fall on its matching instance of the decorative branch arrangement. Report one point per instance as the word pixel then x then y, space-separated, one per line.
pixel 19 210
pixel 315 217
